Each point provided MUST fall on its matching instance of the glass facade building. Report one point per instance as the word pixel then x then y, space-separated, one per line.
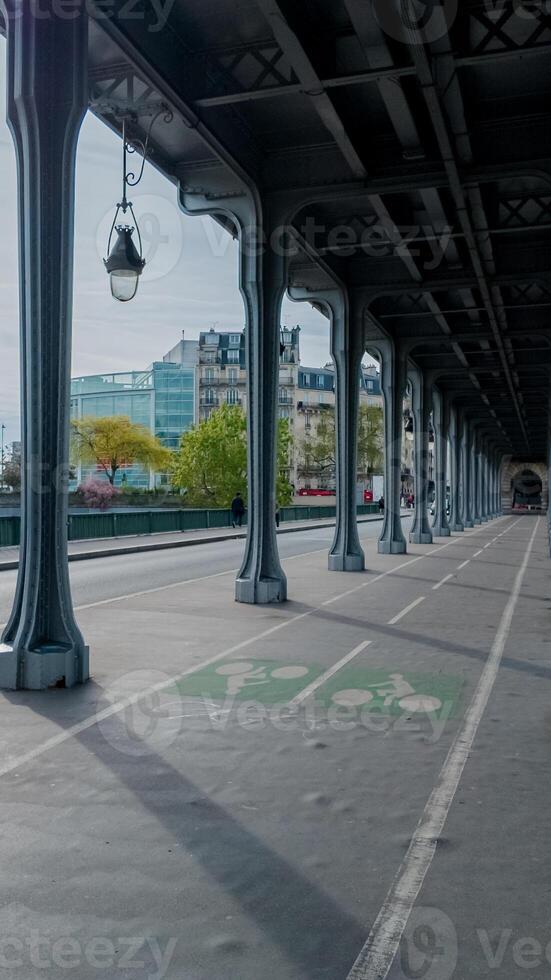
pixel 162 399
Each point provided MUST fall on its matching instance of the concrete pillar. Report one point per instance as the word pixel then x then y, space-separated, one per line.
pixel 261 578
pixel 346 554
pixel 347 348
pixel 456 524
pixel 393 383
pixel 467 474
pixel 475 482
pixel 440 414
pixel 497 484
pixel 47 97
pixel 421 404
pixel 485 482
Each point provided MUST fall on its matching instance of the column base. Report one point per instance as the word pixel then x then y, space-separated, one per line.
pixel 457 528
pixel 392 548
pixel 468 524
pixel 261 591
pixel 441 532
pixel 51 665
pixel 420 537
pixel 477 521
pixel 346 563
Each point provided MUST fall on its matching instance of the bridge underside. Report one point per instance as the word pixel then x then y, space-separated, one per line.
pixel 391 169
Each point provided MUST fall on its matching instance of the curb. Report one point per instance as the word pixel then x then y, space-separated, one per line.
pixel 7 566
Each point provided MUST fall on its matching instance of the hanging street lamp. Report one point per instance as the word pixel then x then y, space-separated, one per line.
pixel 125 262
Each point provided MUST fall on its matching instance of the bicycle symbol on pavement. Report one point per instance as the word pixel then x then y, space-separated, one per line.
pixel 396 691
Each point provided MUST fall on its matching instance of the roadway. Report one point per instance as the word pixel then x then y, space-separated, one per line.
pixel 351 786
pixel 103 578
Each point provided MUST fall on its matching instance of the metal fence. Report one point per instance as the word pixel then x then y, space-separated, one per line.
pixel 114 524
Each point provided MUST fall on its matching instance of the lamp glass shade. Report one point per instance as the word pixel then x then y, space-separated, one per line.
pixel 124 266
pixel 124 284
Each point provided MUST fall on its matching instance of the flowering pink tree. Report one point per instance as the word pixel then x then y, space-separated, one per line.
pixel 97 493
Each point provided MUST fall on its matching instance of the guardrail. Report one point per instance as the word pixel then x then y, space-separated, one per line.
pixel 113 524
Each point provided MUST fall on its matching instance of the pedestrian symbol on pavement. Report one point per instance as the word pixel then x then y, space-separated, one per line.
pixel 242 675
pixel 265 681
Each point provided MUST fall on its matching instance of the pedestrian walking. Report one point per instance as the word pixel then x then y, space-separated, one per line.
pixel 237 510
pixel 381 504
pixel 277 514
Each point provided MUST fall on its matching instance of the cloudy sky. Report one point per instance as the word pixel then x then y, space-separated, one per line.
pixel 190 282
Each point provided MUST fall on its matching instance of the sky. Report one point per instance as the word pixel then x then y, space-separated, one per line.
pixel 190 281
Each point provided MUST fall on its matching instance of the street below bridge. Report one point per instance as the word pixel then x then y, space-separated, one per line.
pixel 349 785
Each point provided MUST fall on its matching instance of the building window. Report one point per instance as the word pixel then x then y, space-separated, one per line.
pixel 209 374
pixel 233 375
pixel 210 396
pixel 306 379
pixel 233 357
pixel 234 340
pixel 321 381
pixel 232 396
pixel 209 357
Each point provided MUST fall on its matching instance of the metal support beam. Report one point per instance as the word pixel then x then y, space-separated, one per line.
pixel 456 524
pixel 393 383
pixel 421 398
pixel 346 553
pixel 47 98
pixel 297 57
pixel 261 578
pixel 467 475
pixel 440 414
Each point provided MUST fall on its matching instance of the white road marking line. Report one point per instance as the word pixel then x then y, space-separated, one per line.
pixel 303 695
pixel 405 611
pixel 377 956
pixel 119 706
pixel 477 553
pixel 185 581
pixel 463 563
pixel 488 545
pixel 442 582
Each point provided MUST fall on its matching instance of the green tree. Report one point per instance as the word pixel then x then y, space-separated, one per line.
pixel 318 451
pixel 211 464
pixel 114 441
pixel 11 476
pixel 370 440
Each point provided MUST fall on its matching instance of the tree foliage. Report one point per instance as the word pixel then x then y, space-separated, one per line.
pixel 211 464
pixel 318 451
pixel 11 476
pixel 114 441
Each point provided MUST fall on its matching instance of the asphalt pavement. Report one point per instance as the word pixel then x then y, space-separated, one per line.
pixel 351 786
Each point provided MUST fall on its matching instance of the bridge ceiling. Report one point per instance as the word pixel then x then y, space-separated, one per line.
pixel 424 159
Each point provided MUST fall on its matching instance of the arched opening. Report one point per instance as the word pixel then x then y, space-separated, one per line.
pixel 526 490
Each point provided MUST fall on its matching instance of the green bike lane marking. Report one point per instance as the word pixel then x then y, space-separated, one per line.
pixel 389 691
